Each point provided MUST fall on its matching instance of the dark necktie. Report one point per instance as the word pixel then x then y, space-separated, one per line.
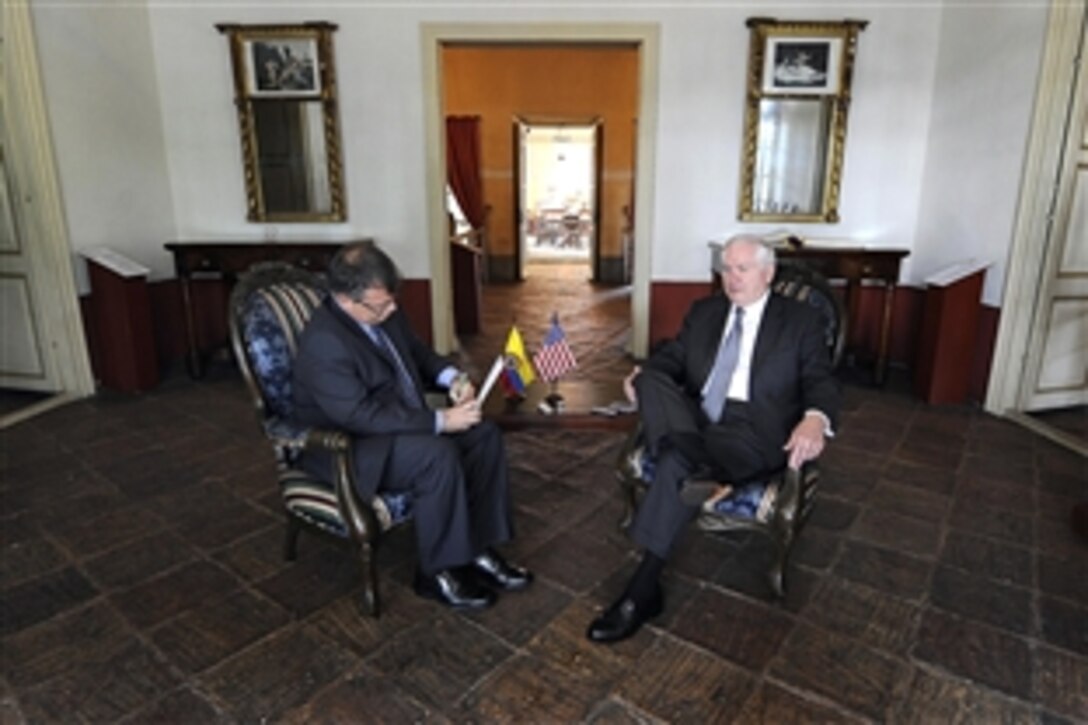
pixel 408 391
pixel 722 372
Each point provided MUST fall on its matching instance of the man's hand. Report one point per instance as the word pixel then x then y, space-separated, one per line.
pixel 460 417
pixel 629 385
pixel 806 442
pixel 462 390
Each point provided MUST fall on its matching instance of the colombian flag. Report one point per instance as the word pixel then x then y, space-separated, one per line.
pixel 517 373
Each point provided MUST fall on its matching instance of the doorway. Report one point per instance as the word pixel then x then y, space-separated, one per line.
pixel 553 83
pixel 558 179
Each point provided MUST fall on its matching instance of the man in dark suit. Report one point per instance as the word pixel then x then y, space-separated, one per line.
pixel 745 389
pixel 360 368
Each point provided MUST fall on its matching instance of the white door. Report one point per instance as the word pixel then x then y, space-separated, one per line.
pixel 42 344
pixel 24 364
pixel 1057 363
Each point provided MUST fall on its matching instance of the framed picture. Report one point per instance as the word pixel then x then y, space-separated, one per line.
pixel 282 67
pixel 802 65
pixel 796 103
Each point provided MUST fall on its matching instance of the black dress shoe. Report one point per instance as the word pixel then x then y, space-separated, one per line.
pixel 623 619
pixel 497 573
pixel 454 589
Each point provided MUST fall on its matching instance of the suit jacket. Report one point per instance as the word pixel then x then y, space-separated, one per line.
pixel 791 364
pixel 343 380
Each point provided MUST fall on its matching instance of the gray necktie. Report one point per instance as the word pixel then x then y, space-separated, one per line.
pixel 408 391
pixel 722 372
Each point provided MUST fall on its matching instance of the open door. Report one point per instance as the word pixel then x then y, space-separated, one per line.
pixel 1057 367
pixel 1041 356
pixel 558 205
pixel 42 344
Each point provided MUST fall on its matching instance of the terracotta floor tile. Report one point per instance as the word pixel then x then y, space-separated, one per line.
pixel 884 569
pixel 206 635
pixel 990 558
pixel 938 698
pixel 861 679
pixel 774 704
pixel 679 683
pixel 748 634
pixel 276 675
pixel 1061 682
pixel 976 651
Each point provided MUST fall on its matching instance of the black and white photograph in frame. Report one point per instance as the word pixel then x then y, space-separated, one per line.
pixel 279 67
pixel 797 65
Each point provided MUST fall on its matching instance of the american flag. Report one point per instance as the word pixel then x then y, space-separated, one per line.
pixel 555 357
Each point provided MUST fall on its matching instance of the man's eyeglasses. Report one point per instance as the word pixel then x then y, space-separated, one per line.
pixel 378 310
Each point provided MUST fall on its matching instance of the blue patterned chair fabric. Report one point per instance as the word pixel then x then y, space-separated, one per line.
pixel 270 306
pixel 778 506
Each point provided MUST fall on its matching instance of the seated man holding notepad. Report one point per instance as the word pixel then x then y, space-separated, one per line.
pixel 361 369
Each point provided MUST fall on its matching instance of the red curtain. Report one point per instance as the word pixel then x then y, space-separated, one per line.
pixel 463 166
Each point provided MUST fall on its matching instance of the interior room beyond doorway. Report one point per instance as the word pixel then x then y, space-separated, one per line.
pixel 558 192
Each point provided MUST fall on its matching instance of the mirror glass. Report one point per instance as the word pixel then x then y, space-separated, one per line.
pixel 799 75
pixel 285 92
pixel 791 153
pixel 292 157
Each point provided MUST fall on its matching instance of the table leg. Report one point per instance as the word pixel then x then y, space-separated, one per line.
pixel 880 374
pixel 192 354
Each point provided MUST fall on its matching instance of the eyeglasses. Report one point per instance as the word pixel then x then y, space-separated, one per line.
pixel 378 310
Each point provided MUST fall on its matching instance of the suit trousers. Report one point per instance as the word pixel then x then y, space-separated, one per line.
pixel 460 493
pixel 682 440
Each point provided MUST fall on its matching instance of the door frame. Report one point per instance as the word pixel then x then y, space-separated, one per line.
pixel 37 205
pixel 1032 233
pixel 597 124
pixel 433 36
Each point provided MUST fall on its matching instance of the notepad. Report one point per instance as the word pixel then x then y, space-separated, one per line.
pixel 490 380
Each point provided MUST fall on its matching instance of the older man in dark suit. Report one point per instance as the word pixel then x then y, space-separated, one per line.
pixel 745 389
pixel 360 368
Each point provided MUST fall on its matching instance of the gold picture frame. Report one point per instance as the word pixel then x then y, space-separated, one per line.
pixel 798 94
pixel 285 95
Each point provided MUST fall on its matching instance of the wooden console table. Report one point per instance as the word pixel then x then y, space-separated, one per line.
pixel 852 264
pixel 226 260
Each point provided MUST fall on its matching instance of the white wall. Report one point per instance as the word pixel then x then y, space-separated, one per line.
pixel 98 73
pixel 703 54
pixel 982 105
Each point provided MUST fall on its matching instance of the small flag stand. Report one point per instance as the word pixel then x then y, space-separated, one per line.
pixel 553 360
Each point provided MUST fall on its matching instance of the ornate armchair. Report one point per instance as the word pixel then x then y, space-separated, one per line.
pixel 269 306
pixel 779 506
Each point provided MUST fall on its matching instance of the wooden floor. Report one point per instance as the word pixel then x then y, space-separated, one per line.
pixel 595 318
pixel 142 580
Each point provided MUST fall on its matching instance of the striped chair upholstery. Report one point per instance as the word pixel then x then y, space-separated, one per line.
pixel 778 506
pixel 270 306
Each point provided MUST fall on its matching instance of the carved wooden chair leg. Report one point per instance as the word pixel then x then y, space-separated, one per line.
pixel 290 541
pixel 630 502
pixel 784 528
pixel 776 576
pixel 371 600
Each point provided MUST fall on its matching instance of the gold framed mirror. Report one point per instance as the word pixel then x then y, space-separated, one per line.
pixel 798 94
pixel 285 93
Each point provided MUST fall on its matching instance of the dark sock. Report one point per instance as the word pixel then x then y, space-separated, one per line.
pixel 644 583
